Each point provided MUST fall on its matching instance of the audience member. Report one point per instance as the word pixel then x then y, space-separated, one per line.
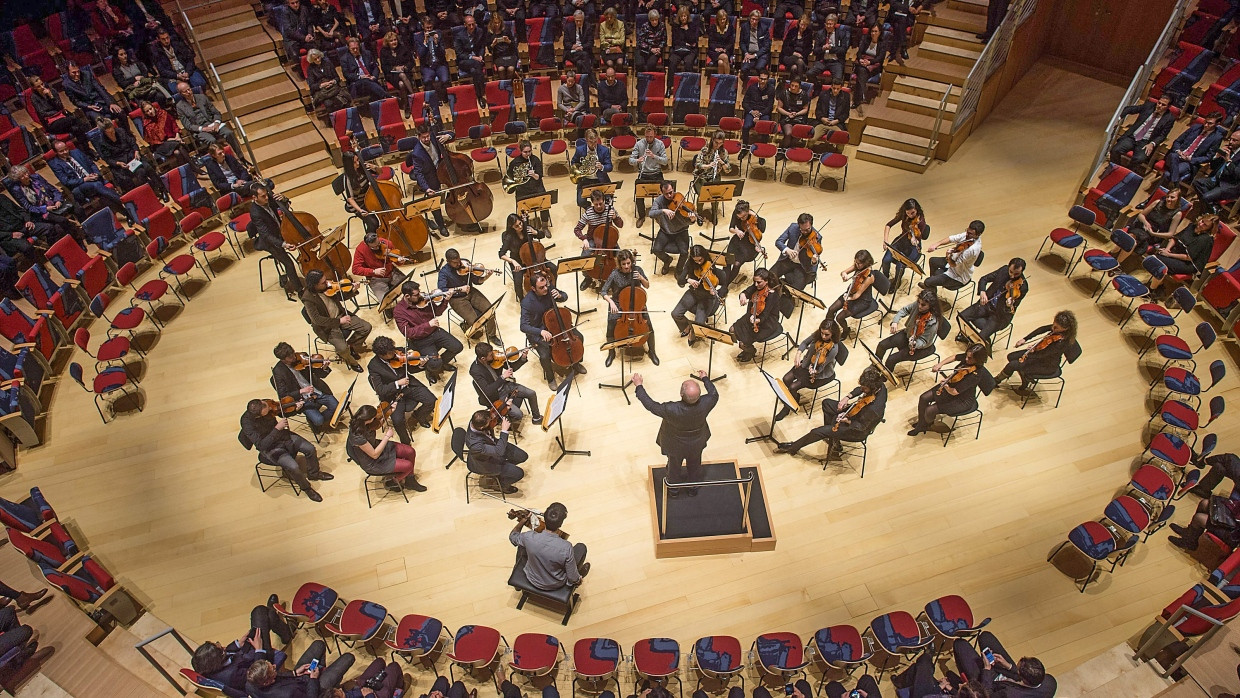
pixel 330 26
pixel 471 44
pixel 174 62
pixel 1223 182
pixel 43 201
pixel 682 58
pixel 51 110
pixel 1194 148
pixel 571 98
pixel 755 45
pixel 758 104
pixel 613 96
pixel 264 681
pixel 134 78
pixel 1027 679
pixel 797 48
pixel 298 31
pixel 372 20
pixel 872 54
pixel 81 175
pixel 832 110
pixel 326 90
pixel 578 41
pixel 85 92
pixel 1153 124
pixel 651 43
pixel 162 133
pixel 830 46
pixel 611 39
pixel 791 106
pixel 432 60
pixel 228 664
pixel 503 49
pixel 360 71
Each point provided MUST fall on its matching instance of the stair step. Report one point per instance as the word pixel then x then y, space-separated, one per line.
pixel 1113 673
pixel 892 157
pixel 266 135
pixel 226 33
pixel 928 106
pixel 289 148
pixel 119 646
pixel 272 115
pixel 261 99
pixel 948 54
pixel 237 48
pixel 259 61
pixel 883 116
pixel 39 686
pixel 234 18
pixel 945 16
pixel 296 167
pixel 896 140
pixel 973 6
pixel 954 37
pixel 310 181
pixel 245 82
pixel 925 88
pixel 921 66
pixel 212 10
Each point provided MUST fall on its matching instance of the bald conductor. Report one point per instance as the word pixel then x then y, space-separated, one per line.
pixel 684 431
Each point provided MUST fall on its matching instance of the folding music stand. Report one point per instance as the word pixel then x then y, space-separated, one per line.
pixel 649 190
pixel 784 397
pixel 483 317
pixel 573 265
pixel 389 300
pixel 970 332
pixel 343 405
pixel 913 266
pixel 556 404
pixel 423 207
pixel 874 360
pixel 714 193
pixel 712 335
pixel 443 406
pixel 804 298
pixel 608 188
pixel 621 344
pixel 537 203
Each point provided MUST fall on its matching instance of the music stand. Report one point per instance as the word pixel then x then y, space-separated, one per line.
pixel 784 397
pixel 804 298
pixel 389 300
pixel 712 335
pixel 343 405
pixel 483 317
pixel 648 190
pixel 714 193
pixel 914 266
pixel 443 406
pixel 621 344
pixel 537 203
pixel 970 332
pixel 608 188
pixel 556 405
pixel 423 207
pixel 874 360
pixel 573 265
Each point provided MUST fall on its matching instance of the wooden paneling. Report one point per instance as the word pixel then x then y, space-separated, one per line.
pixel 1113 36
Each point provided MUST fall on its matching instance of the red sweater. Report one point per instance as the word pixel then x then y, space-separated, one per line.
pixel 366 262
pixel 415 323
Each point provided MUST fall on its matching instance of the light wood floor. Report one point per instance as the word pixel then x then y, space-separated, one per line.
pixel 168 499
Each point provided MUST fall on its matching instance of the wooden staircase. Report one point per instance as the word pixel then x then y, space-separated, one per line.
pixel 900 124
pixel 288 145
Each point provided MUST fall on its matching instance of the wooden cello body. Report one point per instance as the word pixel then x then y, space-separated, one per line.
pixel 408 235
pixel 566 346
pixel 301 230
pixel 467 202
pixel 632 321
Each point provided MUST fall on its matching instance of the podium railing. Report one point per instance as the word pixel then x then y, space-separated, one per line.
pixel 746 490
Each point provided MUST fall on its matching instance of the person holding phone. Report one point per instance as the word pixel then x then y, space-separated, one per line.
pixel 918 681
pixel 312 677
pixel 229 664
pixel 1026 679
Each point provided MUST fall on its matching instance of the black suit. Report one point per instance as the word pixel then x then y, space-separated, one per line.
pixel 239 657
pixel 1224 180
pixel 684 431
pixel 1002 683
pixel 1133 139
pixel 264 230
pixel 362 84
pixel 858 427
pixel 472 44
pixel 415 399
pixel 290 686
pixel 493 386
pixel 1179 169
pixel 583 59
pixel 219 179
pixel 995 314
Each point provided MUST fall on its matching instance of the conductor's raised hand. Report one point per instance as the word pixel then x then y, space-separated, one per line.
pixel 637 379
pixel 700 374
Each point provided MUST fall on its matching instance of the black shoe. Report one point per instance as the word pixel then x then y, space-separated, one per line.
pixel 509 489
pixel 916 431
pixel 322 476
pixel 745 356
pixel 692 492
pixel 273 600
pixel 580 369
pixel 414 485
pixel 536 419
pixel 785 447
pixel 1180 531
pixel 673 493
pixel 1181 543
pixel 611 356
pixel 845 332
pixel 585 283
pixel 392 486
pixel 356 368
pixel 654 358
pixel 425 423
pixel 783 413
pixel 314 496
pixel 354 354
pixel 585 569
pixel 433 377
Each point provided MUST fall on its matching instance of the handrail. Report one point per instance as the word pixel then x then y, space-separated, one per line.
pixel 189 29
pixel 234 119
pixel 938 123
pixel 1215 626
pixel 746 484
pixel 141 647
pixel 993 54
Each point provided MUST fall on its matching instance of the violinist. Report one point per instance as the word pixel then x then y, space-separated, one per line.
pixel 742 246
pixel 541 298
pixel 378 455
pixel 921 320
pixel 499 383
pixel 492 456
pixel 265 430
pixel 761 321
pixel 999 295
pixel 702 297
pixel 857 301
pixel 598 212
pixel 709 165
pixel 913 229
pixel 407 396
pixel 851 419
pixel 814 364
pixel 591 155
pixel 423 159
pixel 790 269
pixel 517 232
pixel 1044 355
pixel 956 392
pixel 551 562
pixel 626 273
pixel 356 184
pixel 346 333
pixel 673 236
pixel 417 318
pixel 527 169
pixel 469 303
pixel 375 261
pixel 955 269
pixel 264 230
pixel 301 381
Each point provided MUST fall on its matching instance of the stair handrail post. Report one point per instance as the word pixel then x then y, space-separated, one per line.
pixel 141 647
pixel 235 120
pixel 993 54
pixel 1215 626
pixel 938 124
pixel 193 35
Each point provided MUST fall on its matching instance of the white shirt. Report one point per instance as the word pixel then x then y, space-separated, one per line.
pixel 962 269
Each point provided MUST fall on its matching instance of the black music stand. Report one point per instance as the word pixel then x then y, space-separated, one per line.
pixel 875 361
pixel 482 319
pixel 574 265
pixel 343 405
pixel 804 298
pixel 783 397
pixel 621 345
pixel 556 405
pixel 715 193
pixel 649 190
pixel 712 335
pixel 423 207
pixel 910 264
pixel 443 406
pixel 970 332
pixel 537 203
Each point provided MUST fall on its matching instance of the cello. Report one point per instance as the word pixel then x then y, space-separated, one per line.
pixel 631 300
pixel 533 258
pixel 301 230
pixel 466 201
pixel 408 235
pixel 567 348
pixel 604 239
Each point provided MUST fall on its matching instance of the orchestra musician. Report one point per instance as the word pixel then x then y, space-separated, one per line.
pixel 702 298
pixel 956 393
pixel 527 169
pixel 814 363
pixel 913 229
pixel 598 212
pixel 857 301
pixel 375 261
pixel 278 445
pixel 673 236
pixel 517 232
pixel 550 561
pixel 264 230
pixel 417 318
pixel 356 184
pixel 684 431
pixel 1043 356
pixel 346 333
pixel 649 156
pixel 761 322
pixel 465 299
pixel 500 383
pixel 625 274
pixel 742 247
pixel 304 385
pixel 541 298
pixel 378 455
pixel 921 320
pixel 789 269
pixel 955 269
pixel 851 419
pixel 423 159
pixel 709 165
pixel 493 456
pixel 406 395
pixel 601 164
pixel 999 295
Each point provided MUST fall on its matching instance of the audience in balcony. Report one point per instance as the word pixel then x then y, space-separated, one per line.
pixel 397 62
pixel 1002 679
pixel 682 58
pixel 85 93
pixel 578 43
pixel 832 110
pixel 613 96
pixel 174 61
pixel 56 119
pixel 229 664
pixel 830 48
pixel 360 72
pixel 298 31
pixel 721 41
pixel 503 50
pixel 1154 224
pixel 135 79
pixel 651 43
pixel 1223 182
pixel 1194 148
pixel 1147 132
pixel 432 60
pixel 798 47
pixel 372 20
pixel 43 202
pixel 571 98
pixel 471 44
pixel 611 39
pixel 758 104
pixel 1188 253
pixel 202 120
pixel 755 45
pixel 326 89
pixel 85 182
pixel 330 25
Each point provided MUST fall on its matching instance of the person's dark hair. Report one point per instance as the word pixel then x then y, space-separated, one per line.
pixel 104 123
pixel 554 516
pixel 512 219
pixel 864 258
pixel 482 349
pixel 659 691
pixel 480 420
pixel 910 203
pixel 837 81
pixel 805 218
pixel 698 252
pixel 597 195
pixel 363 416
pixel 282 350
pixel 1030 671
pixel 871 379
pixel 208 658
pixel 423 128
pixel 409 287
pixel 829 324
pixel 625 255
pixel 741 206
pixel 1067 320
pixel 261 673
pixel 977 227
pixel 1017 262
pixel 255 406
pixel 451 254
pixel 313 278
pixel 977 353
pixel 765 275
pixel 383 345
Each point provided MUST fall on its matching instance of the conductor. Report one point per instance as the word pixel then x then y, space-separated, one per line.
pixel 684 431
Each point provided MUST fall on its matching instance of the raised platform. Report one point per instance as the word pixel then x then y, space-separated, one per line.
pixel 715 521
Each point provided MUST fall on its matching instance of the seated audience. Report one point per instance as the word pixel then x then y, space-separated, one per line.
pixel 651 43
pixel 360 71
pixel 81 175
pixel 135 79
pixel 129 168
pixel 298 31
pixel 831 111
pixel 326 89
pixel 578 42
pixel 432 60
pixel 330 26
pixel 611 39
pixel 202 120
pixel 262 680
pixel 1223 181
pixel 1188 253
pixel 1027 679
pixel 56 120
pixel 1153 124
pixel 228 664
pixel 85 93
pixel 161 131
pixel 174 61
pixel 43 202
pixel 1194 148
pixel 227 172
pixel 755 45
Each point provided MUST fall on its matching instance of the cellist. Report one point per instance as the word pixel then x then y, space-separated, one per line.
pixel 356 185
pixel 541 298
pixel 626 274
pixel 702 298
pixel 264 230
pixel 516 233
pixel 741 246
pixel 424 160
pixel 598 212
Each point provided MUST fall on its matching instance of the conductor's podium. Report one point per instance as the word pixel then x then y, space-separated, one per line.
pixel 729 515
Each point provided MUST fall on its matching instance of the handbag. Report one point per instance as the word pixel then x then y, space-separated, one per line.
pixel 1220 513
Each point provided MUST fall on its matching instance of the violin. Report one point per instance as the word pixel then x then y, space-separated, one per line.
pixel 682 207
pixel 758 306
pixel 479 271
pixel 752 231
pixel 605 239
pixel 408 235
pixel 436 296
pixel 809 251
pixel 632 303
pixel 466 201
pixel 284 406
pixel 567 347
pixel 706 276
pixel 498 358
pixel 343 286
pixel 410 358
pixel 313 361
pixel 533 519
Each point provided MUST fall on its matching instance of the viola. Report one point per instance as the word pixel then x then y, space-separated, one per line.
pixel 313 361
pixel 605 238
pixel 343 286
pixel 436 296
pixel 566 345
pixel 533 519
pixel 466 201
pixel 758 306
pixel 632 303
pixel 809 251
pixel 408 235
pixel 706 275
pixel 478 271
pixel 284 406
pixel 682 207
pixel 410 358
pixel 498 358
pixel 752 230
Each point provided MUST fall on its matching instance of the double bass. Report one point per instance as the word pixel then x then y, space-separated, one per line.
pixel 301 230
pixel 631 300
pixel 466 201
pixel 408 235
pixel 604 239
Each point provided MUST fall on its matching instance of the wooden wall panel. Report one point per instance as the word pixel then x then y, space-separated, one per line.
pixel 1112 36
